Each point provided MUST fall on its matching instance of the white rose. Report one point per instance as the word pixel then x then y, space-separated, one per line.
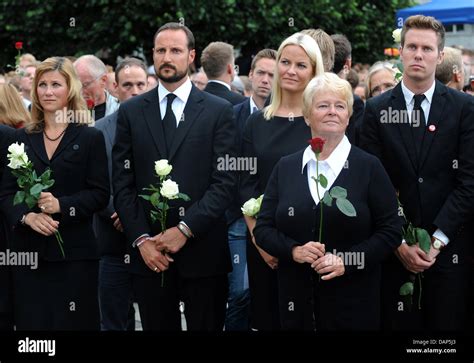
pixel 17 156
pixel 252 206
pixel 162 168
pixel 397 35
pixel 169 189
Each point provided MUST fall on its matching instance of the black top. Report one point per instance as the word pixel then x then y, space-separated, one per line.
pixel 268 141
pixel 99 111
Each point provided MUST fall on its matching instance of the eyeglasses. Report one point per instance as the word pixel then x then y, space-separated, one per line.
pixel 87 84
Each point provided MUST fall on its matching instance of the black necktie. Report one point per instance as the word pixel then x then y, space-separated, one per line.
pixel 418 123
pixel 169 121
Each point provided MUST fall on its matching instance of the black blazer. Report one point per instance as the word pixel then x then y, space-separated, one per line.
pixel 289 217
pixel 241 114
pixel 206 135
pixel 222 91
pixel 437 190
pixel 6 134
pixel 111 241
pixel 355 122
pixel 79 168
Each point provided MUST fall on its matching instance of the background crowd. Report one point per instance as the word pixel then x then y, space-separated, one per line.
pixel 229 271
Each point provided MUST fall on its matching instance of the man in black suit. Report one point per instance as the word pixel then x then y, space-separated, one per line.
pixel 6 321
pixel 193 253
pixel 217 60
pixel 115 285
pixel 423 132
pixel 342 66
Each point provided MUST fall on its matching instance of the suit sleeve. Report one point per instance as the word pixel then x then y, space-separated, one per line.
pixel 369 138
pixel 126 200
pixel 95 195
pixel 387 230
pixel 457 208
pixel 9 186
pixel 203 213
pixel 267 236
pixel 249 183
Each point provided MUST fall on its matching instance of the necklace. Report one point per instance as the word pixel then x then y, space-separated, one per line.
pixel 54 139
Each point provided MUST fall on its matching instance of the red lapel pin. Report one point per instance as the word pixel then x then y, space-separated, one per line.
pixel 432 128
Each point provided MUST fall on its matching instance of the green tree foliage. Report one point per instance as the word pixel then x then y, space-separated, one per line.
pixel 122 27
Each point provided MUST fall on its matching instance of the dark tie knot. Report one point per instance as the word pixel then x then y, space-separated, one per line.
pixel 171 97
pixel 418 100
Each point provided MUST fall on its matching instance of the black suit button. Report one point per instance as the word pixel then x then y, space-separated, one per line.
pixel 420 180
pixel 75 147
pixel 313 230
pixel 314 207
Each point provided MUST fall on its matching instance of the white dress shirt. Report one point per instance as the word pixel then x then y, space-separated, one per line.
pixel 182 94
pixel 330 168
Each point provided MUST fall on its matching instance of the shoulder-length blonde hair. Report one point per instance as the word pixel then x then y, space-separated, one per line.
pixel 311 48
pixel 75 101
pixel 12 110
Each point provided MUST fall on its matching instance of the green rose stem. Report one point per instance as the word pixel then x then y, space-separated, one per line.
pixel 163 216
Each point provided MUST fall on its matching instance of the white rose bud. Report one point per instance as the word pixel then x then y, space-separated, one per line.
pixel 162 168
pixel 17 157
pixel 252 206
pixel 169 189
pixel 397 35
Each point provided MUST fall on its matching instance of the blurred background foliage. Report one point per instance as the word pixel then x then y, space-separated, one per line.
pixel 111 28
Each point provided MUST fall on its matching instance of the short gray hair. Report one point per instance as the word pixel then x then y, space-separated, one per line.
pixel 93 64
pixel 327 82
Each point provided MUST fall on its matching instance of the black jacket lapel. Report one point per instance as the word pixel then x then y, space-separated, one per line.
pixel 72 131
pixel 399 105
pixel 37 145
pixel 436 113
pixel 152 114
pixel 191 112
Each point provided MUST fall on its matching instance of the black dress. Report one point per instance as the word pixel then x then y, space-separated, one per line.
pixel 267 141
pixel 57 293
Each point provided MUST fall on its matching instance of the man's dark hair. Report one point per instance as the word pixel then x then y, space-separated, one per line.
pixel 343 50
pixel 129 62
pixel 177 26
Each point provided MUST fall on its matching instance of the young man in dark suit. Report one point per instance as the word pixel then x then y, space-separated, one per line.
pixel 193 130
pixel 115 285
pixel 423 132
pixel 217 60
pixel 6 315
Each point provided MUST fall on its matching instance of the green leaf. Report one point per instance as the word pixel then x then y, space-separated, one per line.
pixel 322 180
pixel 155 199
pixel 184 197
pixel 327 199
pixel 338 192
pixel 30 201
pixel 406 289
pixel 163 206
pixel 36 189
pixel 424 240
pixel 19 197
pixel 146 197
pixel 346 207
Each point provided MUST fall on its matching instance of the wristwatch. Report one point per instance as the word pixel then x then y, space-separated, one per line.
pixel 437 244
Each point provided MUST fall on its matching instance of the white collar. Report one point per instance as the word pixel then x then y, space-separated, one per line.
pixel 335 161
pixel 408 94
pixel 252 105
pixel 220 82
pixel 182 92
